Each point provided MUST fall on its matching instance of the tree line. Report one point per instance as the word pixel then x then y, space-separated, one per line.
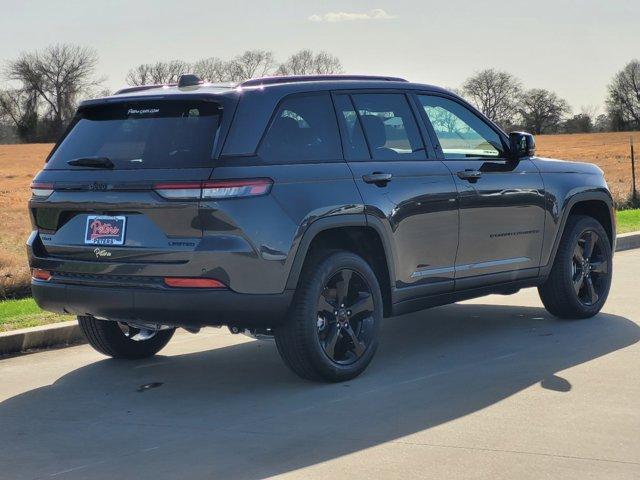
pixel 49 83
pixel 501 97
pixel 251 64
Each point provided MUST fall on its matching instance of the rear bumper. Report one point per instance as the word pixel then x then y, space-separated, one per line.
pixel 178 307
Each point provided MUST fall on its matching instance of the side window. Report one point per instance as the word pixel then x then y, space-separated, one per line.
pixel 461 133
pixel 354 144
pixel 390 126
pixel 303 130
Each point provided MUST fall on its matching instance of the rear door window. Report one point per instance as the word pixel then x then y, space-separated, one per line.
pixel 138 135
pixel 391 129
pixel 303 130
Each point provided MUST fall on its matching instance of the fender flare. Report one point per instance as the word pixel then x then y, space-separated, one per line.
pixel 332 222
pixel 598 195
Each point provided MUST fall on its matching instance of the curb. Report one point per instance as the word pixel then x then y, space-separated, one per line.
pixel 68 333
pixel 46 336
pixel 627 241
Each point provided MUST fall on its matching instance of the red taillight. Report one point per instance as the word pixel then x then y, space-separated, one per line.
pixel 41 190
pixel 183 282
pixel 214 190
pixel 39 274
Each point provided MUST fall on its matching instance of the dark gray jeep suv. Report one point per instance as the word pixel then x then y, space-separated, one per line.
pixel 304 208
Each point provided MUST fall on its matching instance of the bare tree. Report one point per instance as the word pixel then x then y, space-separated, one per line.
pixel 325 63
pixel 590 111
pixel 251 64
pixel 19 108
pixel 444 120
pixel 494 93
pixel 140 75
pixel 59 74
pixel 306 62
pixel 157 73
pixel 624 95
pixel 542 110
pixel 214 69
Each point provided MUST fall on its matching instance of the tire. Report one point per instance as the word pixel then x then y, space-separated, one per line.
pixel 318 344
pixel 573 290
pixel 108 338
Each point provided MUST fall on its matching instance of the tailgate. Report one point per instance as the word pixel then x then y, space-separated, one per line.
pixel 74 222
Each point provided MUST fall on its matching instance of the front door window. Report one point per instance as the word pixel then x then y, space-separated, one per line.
pixel 461 133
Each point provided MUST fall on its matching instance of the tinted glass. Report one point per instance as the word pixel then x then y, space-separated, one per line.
pixel 304 129
pixel 165 134
pixel 390 126
pixel 355 146
pixel 462 134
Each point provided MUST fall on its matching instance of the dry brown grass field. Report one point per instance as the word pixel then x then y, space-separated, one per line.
pixel 19 163
pixel 610 151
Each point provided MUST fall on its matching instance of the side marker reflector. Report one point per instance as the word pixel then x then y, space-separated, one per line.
pixel 39 274
pixel 183 282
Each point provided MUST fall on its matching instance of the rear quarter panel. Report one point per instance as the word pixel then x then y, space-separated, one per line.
pixel 273 225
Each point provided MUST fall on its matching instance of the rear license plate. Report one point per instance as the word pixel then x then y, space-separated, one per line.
pixel 103 230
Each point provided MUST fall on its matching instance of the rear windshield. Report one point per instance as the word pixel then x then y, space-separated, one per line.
pixel 160 134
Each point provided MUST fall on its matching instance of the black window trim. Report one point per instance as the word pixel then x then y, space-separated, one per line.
pixel 272 119
pixel 432 133
pixel 427 144
pixel 341 126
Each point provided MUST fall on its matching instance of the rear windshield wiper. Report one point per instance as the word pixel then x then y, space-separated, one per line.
pixel 93 162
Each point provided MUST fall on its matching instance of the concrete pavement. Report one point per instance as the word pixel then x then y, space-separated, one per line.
pixel 492 388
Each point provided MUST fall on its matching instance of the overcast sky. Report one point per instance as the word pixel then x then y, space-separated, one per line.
pixel 570 46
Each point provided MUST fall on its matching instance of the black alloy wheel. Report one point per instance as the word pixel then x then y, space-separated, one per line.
pixel 590 268
pixel 580 278
pixel 332 330
pixel 345 317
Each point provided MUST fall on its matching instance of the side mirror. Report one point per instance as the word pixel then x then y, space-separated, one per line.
pixel 522 144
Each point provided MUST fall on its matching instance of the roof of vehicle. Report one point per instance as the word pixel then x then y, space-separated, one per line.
pixel 253 102
pixel 275 85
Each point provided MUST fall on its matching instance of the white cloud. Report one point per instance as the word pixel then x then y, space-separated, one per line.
pixel 375 14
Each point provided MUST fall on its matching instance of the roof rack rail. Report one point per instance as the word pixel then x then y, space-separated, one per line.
pixel 314 78
pixel 139 88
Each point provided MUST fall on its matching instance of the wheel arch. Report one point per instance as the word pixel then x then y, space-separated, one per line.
pixel 596 204
pixel 355 234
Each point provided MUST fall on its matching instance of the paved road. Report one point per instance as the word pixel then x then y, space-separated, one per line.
pixel 492 388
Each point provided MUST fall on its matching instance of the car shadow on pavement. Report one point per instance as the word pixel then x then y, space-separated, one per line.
pixel 237 412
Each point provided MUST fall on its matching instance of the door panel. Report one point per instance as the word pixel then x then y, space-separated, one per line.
pixel 501 216
pixel 415 198
pixel 418 207
pixel 501 202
